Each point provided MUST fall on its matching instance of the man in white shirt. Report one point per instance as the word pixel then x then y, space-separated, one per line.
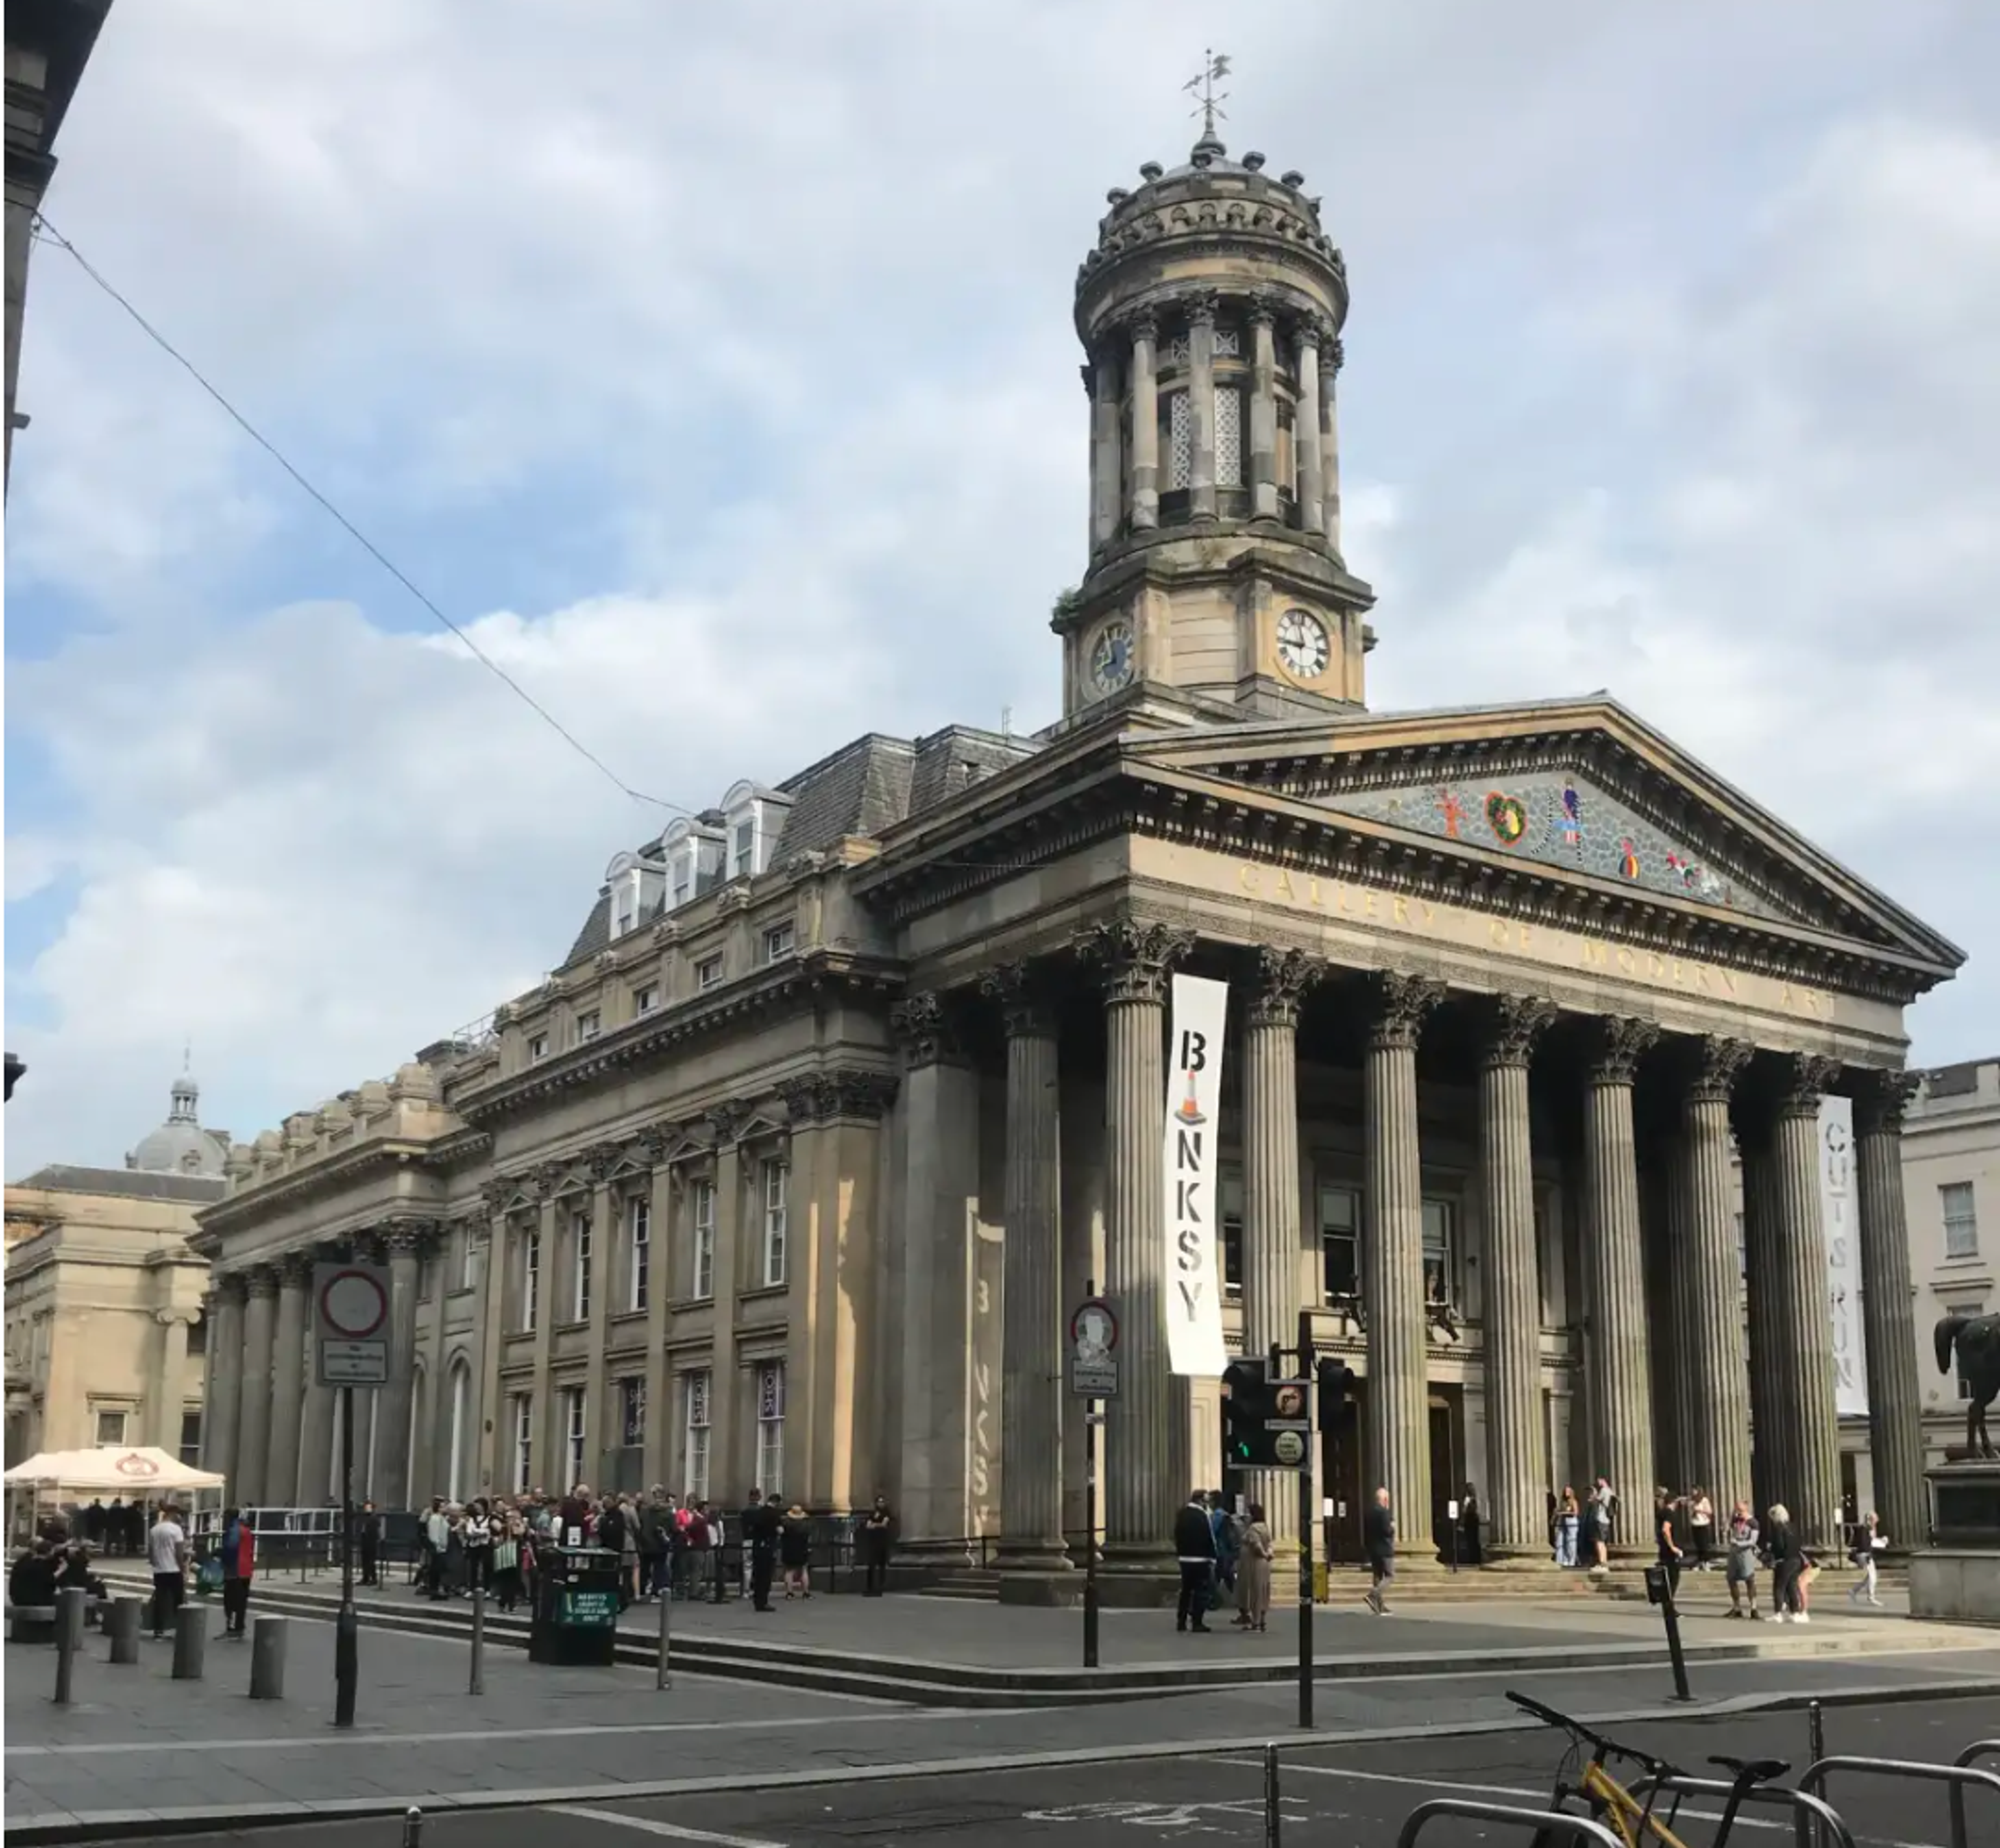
pixel 166 1553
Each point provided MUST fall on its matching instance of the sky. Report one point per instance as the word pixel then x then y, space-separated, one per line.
pixel 713 368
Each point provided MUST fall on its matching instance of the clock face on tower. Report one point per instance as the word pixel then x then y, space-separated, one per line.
pixel 1303 646
pixel 1111 657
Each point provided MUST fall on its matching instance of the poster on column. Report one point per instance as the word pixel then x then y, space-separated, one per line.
pixel 1843 1265
pixel 1194 1108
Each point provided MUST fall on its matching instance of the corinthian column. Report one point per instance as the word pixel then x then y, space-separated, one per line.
pixel 253 1416
pixel 1895 1425
pixel 1715 1433
pixel 315 1425
pixel 1145 507
pixel 1398 1397
pixel 1329 440
pixel 405 1240
pixel 1770 1467
pixel 1517 1471
pixel 1615 1353
pixel 1271 1233
pixel 1031 1536
pixel 1201 406
pixel 1107 462
pixel 1305 437
pixel 1141 1491
pixel 1263 474
pixel 288 1378
pixel 1812 1440
pixel 220 1409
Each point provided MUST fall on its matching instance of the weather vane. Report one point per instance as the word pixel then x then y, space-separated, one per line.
pixel 1209 105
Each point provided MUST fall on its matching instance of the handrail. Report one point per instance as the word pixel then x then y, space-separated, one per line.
pixel 1582 1827
pixel 1806 1807
pixel 1958 1778
pixel 1979 1748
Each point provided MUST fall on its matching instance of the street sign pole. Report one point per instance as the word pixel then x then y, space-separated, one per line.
pixel 346 1637
pixel 1305 1373
pixel 1093 1378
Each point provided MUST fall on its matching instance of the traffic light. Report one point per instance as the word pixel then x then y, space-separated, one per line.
pixel 1335 1377
pixel 1247 1404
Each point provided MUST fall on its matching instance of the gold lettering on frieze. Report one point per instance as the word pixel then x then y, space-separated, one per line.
pixel 1590 954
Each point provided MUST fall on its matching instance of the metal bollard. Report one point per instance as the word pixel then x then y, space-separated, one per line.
pixel 478 1686
pixel 190 1641
pixel 69 1639
pixel 413 1827
pixel 121 1628
pixel 267 1657
pixel 1271 1800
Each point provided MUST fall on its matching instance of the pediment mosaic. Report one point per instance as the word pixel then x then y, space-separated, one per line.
pixel 1564 819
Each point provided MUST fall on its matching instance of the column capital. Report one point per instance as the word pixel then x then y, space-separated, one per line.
pixel 1804 1078
pixel 1881 1098
pixel 1201 306
pixel 260 1282
pixel 1088 372
pixel 1263 308
pixel 407 1237
pixel 854 1094
pixel 1335 357
pixel 600 1159
pixel 1135 955
pixel 1143 324
pixel 1026 1008
pixel 1621 1040
pixel 548 1177
pixel 1308 333
pixel 494 1195
pixel 1282 977
pixel 1400 1003
pixel 227 1287
pixel 169 1318
pixel 1511 1024
pixel 728 1120
pixel 801 1098
pixel 925 1025
pixel 295 1268
pixel 1715 1063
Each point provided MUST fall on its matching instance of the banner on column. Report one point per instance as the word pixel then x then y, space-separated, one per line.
pixel 1843 1270
pixel 1194 1108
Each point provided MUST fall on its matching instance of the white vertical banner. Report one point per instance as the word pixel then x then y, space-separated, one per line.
pixel 1194 1109
pixel 1843 1262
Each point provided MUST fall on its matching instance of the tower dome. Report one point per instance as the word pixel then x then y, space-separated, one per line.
pixel 1211 311
pixel 180 1146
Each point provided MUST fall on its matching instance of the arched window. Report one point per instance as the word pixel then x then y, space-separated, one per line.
pixel 461 1409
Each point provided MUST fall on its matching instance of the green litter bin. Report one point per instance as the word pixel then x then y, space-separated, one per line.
pixel 575 1620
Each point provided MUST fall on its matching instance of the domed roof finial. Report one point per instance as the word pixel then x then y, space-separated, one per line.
pixel 1209 106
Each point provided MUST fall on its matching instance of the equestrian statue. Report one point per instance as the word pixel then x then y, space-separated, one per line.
pixel 1977 1339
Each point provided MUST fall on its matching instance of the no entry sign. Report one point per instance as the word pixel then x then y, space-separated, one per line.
pixel 351 1323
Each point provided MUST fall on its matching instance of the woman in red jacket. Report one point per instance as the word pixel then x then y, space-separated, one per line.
pixel 239 1558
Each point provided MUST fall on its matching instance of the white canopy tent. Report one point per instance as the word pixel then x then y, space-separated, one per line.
pixel 141 1474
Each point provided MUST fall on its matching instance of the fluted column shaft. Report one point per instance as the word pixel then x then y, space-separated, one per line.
pixel 1107 460
pixel 222 1406
pixel 1031 1536
pixel 288 1348
pixel 392 1487
pixel 1271 1231
pixel 1517 1471
pixel 1263 475
pixel 1306 439
pixel 253 1415
pixel 1771 1470
pixel 1616 1352
pixel 1145 474
pixel 1398 1393
pixel 1201 410
pixel 1895 1422
pixel 1812 1443
pixel 1715 1438
pixel 1669 1291
pixel 1329 443
pixel 1141 1492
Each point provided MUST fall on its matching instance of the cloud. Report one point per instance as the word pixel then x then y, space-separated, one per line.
pixel 719 377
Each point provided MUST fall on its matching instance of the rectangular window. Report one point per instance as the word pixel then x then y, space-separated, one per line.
pixel 694 1461
pixel 198 1336
pixel 538 1048
pixel 1229 1188
pixel 190 1449
pixel 639 1237
pixel 531 1280
pixel 632 1406
pixel 771 1427
pixel 580 1267
pixel 707 973
pixel 1961 1219
pixel 1228 437
pixel 778 942
pixel 524 1441
pixel 683 878
pixel 1340 1243
pixel 110 1427
pixel 704 1239
pixel 777 1178
pixel 588 1027
pixel 645 1000
pixel 743 849
pixel 1178 443
pixel 426 1276
pixel 1440 1251
pixel 573 1435
pixel 468 1243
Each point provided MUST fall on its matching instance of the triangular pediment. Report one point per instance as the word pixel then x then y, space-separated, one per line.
pixel 1583 792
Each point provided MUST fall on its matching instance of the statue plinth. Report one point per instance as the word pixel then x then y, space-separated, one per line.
pixel 1957 1576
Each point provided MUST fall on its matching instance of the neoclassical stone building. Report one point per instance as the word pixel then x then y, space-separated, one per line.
pixel 850 1085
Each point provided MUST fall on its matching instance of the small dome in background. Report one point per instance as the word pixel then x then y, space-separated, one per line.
pixel 180 1146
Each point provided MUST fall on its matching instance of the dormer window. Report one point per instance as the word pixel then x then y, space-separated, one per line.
pixel 538 1048
pixel 634 884
pixel 753 817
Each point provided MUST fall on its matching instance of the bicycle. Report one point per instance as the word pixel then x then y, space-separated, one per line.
pixel 1614 1805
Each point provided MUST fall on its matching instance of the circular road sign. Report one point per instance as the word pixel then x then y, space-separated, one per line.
pixel 353 1305
pixel 1291 1402
pixel 1289 1446
pixel 1095 1325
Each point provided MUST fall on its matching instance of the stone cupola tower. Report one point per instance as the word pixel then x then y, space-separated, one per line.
pixel 1211 312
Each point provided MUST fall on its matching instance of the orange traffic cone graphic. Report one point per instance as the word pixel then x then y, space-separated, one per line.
pixel 1190 1111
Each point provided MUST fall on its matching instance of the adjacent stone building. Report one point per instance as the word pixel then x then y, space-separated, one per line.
pixel 104 1338
pixel 788 1173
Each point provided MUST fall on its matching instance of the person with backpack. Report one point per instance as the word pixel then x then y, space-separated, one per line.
pixel 239 1558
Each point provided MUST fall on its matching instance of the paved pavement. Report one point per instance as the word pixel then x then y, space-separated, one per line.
pixel 137 1745
pixel 1333 1794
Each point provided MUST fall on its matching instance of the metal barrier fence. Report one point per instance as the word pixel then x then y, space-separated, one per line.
pixel 1957 1778
pixel 1554 1822
pixel 1813 1819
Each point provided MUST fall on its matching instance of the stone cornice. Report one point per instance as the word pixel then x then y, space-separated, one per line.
pixel 641 1042
pixel 329 1175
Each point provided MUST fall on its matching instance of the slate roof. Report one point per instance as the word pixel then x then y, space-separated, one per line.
pixel 862 788
pixel 130 1184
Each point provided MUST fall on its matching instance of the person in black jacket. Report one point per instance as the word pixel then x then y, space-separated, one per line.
pixel 1378 1541
pixel 761 1520
pixel 1194 1546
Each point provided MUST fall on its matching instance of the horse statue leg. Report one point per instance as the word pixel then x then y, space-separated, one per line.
pixel 1976 1418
